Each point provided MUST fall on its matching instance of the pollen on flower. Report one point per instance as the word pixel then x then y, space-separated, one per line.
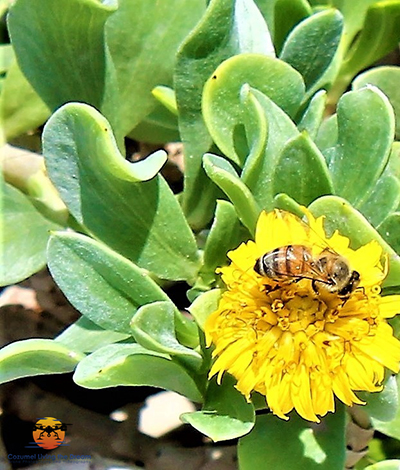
pixel 302 319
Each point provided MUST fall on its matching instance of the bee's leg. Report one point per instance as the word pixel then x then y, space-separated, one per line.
pixel 344 299
pixel 268 288
pixel 314 286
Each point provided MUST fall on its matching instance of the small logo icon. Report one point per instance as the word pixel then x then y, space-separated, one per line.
pixel 49 433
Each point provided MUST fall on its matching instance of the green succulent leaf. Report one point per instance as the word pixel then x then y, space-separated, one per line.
pixel 364 145
pixel 393 166
pixel 390 230
pixel 143 38
pixel 32 357
pixel 21 109
pixel 341 216
pixel 113 288
pixel 383 200
pixel 311 47
pixel 387 80
pixel 301 171
pixel 320 447
pixel 384 465
pixel 224 235
pixel 284 202
pixel 388 422
pixel 166 96
pixel 153 327
pixel 222 173
pixel 104 191
pixel 226 29
pixel 256 133
pixel 379 35
pixel 354 12
pixel 287 14
pixel 7 57
pixel 222 105
pixel 383 406
pixel 327 135
pixel 133 365
pixel 86 336
pixel 226 413
pixel 259 176
pixel 62 30
pixel 159 126
pixel 18 212
pixel 204 305
pixel 313 115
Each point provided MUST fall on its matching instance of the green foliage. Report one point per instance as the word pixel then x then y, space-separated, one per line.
pixel 18 211
pixel 311 47
pixel 93 178
pixel 317 447
pixel 133 365
pixel 115 287
pixel 255 91
pixel 225 415
pixel 36 357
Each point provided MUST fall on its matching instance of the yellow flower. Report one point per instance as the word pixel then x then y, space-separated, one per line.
pixel 294 340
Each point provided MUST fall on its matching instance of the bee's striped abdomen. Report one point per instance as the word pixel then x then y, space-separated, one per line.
pixel 285 262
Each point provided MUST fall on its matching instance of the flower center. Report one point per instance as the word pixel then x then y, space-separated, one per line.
pixel 296 306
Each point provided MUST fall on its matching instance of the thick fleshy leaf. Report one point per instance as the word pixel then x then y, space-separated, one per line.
pixel 204 305
pixel 104 191
pixel 23 255
pixel 393 166
pixel 86 336
pixel 21 109
pixel 301 171
pixel 284 202
pixel 7 56
pixel 391 426
pixel 258 177
pixel 379 35
pixel 267 8
pixel 363 144
pixel 313 115
pixel 36 357
pixel 153 327
pixel 383 200
pixel 153 131
pixel 341 216
pixel 133 365
pixel 26 171
pixel 224 236
pixel 53 62
pixel 383 406
pixel 312 45
pixel 386 79
pixel 143 38
pixel 226 29
pixel 166 96
pixel 385 465
pixel 226 413
pixel 222 173
pixel 327 135
pixel 288 13
pixel 222 107
pixel 316 447
pixel 111 288
pixel 256 132
pixel 390 230
pixel 354 12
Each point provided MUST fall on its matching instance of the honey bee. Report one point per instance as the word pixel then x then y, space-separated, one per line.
pixel 328 270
